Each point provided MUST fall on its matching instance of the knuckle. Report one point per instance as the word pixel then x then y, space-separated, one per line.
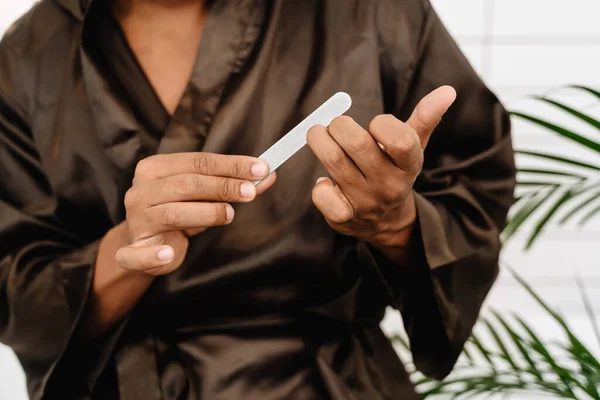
pixel 360 145
pixel 405 143
pixel 227 189
pixel 131 198
pixel 414 166
pixel 341 122
pixel 144 167
pixel 342 215
pixel 381 121
pixel 148 218
pixel 189 184
pixel 335 159
pixel 171 216
pixel 237 168
pixel 391 193
pixel 202 163
pixel 120 258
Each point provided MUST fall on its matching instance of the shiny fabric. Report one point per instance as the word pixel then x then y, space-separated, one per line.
pixel 276 305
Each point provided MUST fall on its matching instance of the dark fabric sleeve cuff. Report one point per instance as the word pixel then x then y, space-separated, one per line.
pixel 78 362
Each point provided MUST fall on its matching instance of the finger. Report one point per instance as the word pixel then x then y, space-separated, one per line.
pixel 191 187
pixel 266 183
pixel 399 141
pixel 334 159
pixel 359 145
pixel 183 216
pixel 429 112
pixel 136 258
pixel 332 203
pixel 210 164
pixel 194 231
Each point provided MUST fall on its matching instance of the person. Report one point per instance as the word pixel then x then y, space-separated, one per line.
pixel 138 260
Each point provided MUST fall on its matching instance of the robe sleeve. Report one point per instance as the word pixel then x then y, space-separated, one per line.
pixel 462 195
pixel 46 269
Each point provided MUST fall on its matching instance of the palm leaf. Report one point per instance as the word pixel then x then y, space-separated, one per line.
pixel 519 344
pixel 550 172
pixel 593 122
pixel 533 367
pixel 564 132
pixel 469 357
pixel 503 349
pixel 523 214
pixel 536 183
pixel 559 159
pixel 579 206
pixel 538 346
pixel 589 365
pixel 543 222
pixel 589 309
pixel 482 350
pixel 587 89
pixel 529 202
pixel 588 217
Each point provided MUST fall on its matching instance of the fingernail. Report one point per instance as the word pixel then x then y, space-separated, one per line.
pixel 247 190
pixel 321 179
pixel 259 170
pixel 166 254
pixel 230 213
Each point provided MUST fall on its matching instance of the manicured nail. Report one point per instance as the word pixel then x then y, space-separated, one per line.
pixel 230 213
pixel 321 179
pixel 167 254
pixel 259 170
pixel 247 190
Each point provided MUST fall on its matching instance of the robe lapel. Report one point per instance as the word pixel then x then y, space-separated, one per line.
pixel 232 28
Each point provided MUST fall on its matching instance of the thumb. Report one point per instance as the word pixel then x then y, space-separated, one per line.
pixel 429 112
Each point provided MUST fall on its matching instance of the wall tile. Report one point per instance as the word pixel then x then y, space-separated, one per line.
pixel 461 17
pixel 556 18
pixel 545 67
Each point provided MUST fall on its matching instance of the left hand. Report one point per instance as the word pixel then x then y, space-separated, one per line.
pixel 374 172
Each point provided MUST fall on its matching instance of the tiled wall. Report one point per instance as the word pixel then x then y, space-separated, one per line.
pixel 535 47
pixel 520 48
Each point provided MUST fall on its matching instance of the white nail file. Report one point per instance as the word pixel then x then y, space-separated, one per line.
pixel 295 139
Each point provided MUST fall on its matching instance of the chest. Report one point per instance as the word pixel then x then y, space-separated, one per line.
pixel 249 85
pixel 165 43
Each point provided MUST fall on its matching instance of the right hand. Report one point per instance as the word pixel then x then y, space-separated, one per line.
pixel 174 196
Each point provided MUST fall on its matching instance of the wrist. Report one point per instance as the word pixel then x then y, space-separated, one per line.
pixel 396 243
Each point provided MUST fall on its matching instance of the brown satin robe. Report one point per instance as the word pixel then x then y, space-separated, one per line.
pixel 276 305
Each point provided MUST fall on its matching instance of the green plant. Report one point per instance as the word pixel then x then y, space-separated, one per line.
pixel 517 360
pixel 567 188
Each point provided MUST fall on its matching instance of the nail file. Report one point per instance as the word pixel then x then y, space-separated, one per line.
pixel 295 139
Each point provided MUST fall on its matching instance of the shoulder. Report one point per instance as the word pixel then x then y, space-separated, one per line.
pixel 401 22
pixel 41 35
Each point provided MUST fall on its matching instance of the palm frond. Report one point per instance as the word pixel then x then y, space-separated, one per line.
pixel 587 89
pixel 589 309
pixel 564 187
pixel 595 195
pixel 584 117
pixel 526 210
pixel 517 360
pixel 564 132
pixel 559 159
pixel 589 216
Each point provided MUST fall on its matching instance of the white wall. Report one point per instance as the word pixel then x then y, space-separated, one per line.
pixel 520 48
pixel 532 47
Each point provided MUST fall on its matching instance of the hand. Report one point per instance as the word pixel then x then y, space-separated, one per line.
pixel 373 172
pixel 175 196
